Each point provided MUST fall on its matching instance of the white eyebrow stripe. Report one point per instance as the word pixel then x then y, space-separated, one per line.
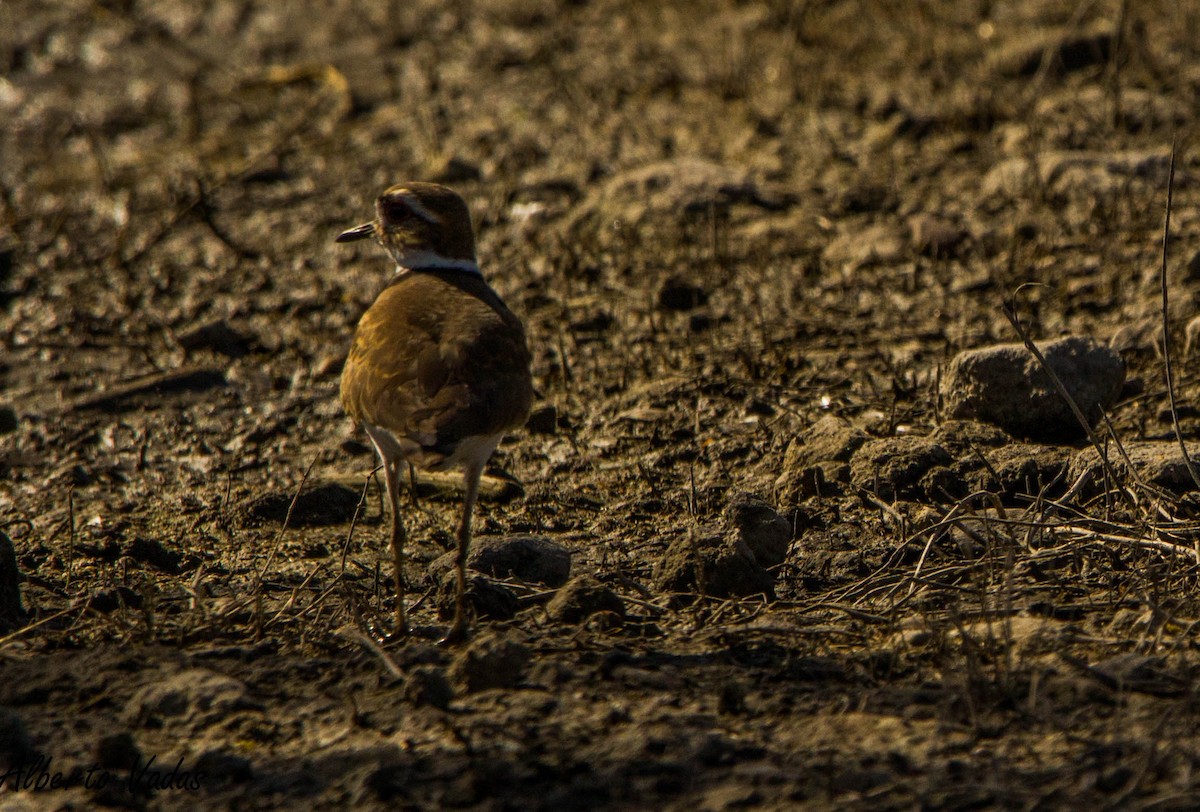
pixel 416 208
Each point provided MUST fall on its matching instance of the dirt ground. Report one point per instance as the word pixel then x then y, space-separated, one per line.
pixel 746 238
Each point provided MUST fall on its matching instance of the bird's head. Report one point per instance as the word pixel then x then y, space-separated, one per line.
pixel 423 226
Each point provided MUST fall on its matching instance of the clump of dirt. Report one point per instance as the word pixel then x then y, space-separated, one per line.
pixel 581 598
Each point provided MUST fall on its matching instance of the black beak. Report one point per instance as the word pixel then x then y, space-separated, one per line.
pixel 357 233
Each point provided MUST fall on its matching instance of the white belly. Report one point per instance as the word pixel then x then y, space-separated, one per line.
pixel 470 451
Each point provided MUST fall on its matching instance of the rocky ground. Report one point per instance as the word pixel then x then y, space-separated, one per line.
pixel 767 541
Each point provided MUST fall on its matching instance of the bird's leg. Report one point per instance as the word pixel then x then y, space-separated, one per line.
pixel 458 631
pixel 391 474
pixel 412 485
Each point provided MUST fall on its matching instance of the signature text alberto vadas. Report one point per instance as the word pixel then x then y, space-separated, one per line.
pixel 39 774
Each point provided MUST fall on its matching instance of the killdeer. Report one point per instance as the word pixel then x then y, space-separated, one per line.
pixel 439 369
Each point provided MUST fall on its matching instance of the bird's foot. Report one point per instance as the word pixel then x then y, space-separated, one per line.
pixel 457 634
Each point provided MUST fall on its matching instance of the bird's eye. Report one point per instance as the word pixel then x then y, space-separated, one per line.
pixel 394 211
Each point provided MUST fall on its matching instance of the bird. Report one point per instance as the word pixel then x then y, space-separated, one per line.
pixel 439 368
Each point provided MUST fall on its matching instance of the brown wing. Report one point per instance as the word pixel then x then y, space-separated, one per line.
pixel 436 358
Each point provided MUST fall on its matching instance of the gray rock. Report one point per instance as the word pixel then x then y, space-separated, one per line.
pixel 583 597
pixel 756 524
pixel 535 559
pixel 1005 385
